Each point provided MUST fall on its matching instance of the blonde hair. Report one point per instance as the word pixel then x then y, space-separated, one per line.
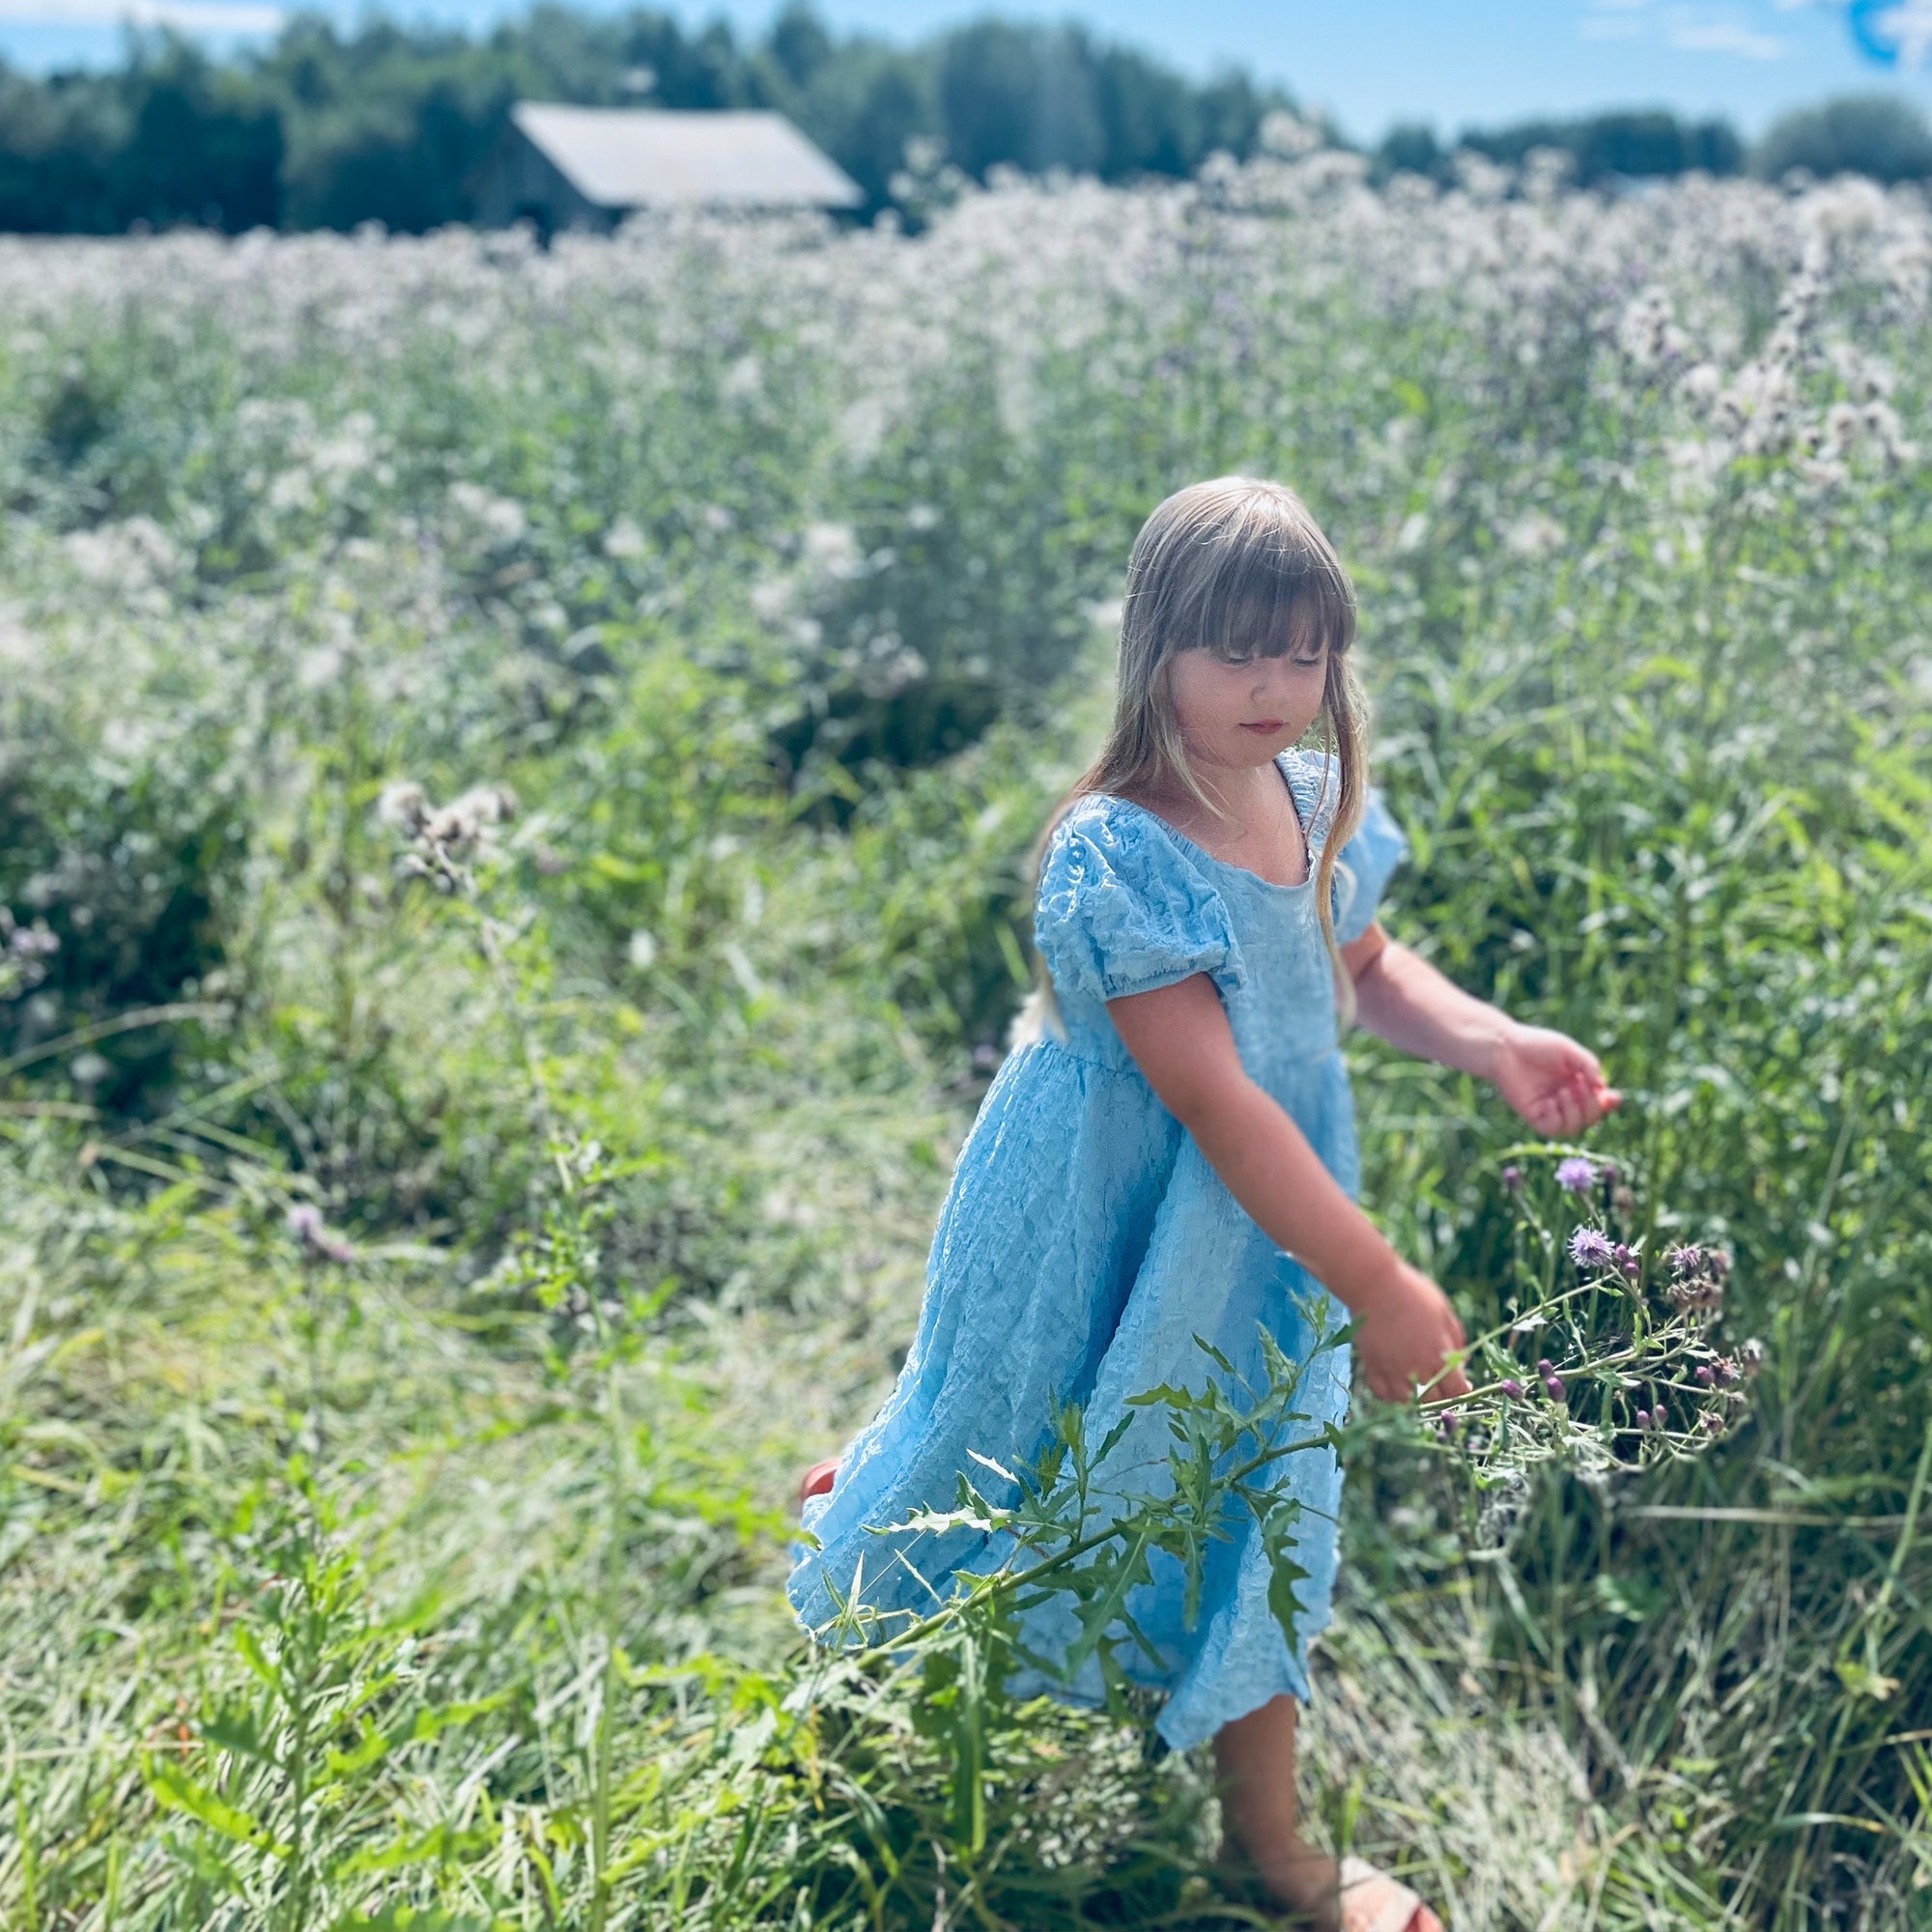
pixel 1235 565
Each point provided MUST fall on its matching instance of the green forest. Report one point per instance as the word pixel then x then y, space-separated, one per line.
pixel 330 129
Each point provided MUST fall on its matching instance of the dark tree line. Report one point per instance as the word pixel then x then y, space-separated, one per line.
pixel 327 128
pixel 1600 145
pixel 1879 134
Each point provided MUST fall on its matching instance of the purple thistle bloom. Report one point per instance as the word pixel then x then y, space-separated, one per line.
pixel 1512 1388
pixel 1589 1249
pixel 1656 1416
pixel 36 941
pixel 1512 1178
pixel 1643 1418
pixel 1705 1375
pixel 1544 1366
pixel 1555 1387
pixel 1685 1261
pixel 319 1242
pixel 1577 1174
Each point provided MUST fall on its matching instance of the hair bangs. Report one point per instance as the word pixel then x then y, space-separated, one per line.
pixel 1268 595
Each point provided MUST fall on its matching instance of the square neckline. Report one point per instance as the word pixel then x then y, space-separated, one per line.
pixel 1175 832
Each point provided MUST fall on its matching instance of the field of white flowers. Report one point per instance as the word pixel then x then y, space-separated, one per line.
pixel 516 770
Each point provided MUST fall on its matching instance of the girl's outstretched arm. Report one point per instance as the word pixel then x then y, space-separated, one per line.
pixel 1557 1085
pixel 1181 1040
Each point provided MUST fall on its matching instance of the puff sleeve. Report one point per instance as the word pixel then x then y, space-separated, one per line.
pixel 1363 867
pixel 1121 911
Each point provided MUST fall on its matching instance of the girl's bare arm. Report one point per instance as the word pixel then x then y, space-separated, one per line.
pixel 1181 1040
pixel 1405 1001
pixel 1557 1085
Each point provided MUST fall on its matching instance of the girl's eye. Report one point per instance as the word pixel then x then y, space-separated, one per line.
pixel 1300 664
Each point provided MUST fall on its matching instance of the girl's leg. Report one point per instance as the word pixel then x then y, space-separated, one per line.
pixel 1254 1757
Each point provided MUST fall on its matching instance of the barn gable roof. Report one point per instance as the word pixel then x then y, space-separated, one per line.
pixel 651 157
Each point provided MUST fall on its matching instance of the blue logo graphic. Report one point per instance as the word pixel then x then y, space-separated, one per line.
pixel 1894 32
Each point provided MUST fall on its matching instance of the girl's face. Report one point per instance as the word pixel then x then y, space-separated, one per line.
pixel 1240 712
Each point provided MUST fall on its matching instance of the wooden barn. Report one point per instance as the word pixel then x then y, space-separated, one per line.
pixel 588 167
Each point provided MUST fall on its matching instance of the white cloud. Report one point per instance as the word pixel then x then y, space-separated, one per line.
pixel 1723 36
pixel 202 17
pixel 1614 21
pixel 1907 27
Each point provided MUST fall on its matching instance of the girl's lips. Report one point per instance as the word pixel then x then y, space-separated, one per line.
pixel 1265 725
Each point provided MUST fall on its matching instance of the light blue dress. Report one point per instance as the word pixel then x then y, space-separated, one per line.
pixel 1084 1240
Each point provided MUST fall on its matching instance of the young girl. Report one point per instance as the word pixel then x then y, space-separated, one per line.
pixel 1169 1151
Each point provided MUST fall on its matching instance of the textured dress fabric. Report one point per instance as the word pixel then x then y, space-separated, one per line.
pixel 1085 1241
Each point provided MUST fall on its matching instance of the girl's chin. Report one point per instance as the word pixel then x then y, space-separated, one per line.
pixel 1238 746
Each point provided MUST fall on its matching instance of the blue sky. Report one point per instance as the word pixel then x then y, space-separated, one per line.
pixel 1369 62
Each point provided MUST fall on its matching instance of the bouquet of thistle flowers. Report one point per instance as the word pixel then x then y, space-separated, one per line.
pixel 1608 1356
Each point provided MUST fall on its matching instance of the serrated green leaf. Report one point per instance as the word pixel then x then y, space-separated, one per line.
pixel 253 1655
pixel 236 1727
pixel 397 1917
pixel 1112 1438
pixel 1177 1398
pixel 372 1747
pixel 1099 1610
pixel 176 1791
pixel 438 1845
pixel 1214 1354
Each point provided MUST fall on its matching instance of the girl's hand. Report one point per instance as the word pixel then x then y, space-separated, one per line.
pixel 1554 1084
pixel 1407 1327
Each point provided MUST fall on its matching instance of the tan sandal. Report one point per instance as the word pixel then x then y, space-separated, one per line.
pixel 1372 1902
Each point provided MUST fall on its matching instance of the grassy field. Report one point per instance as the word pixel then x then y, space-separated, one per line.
pixel 516 772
